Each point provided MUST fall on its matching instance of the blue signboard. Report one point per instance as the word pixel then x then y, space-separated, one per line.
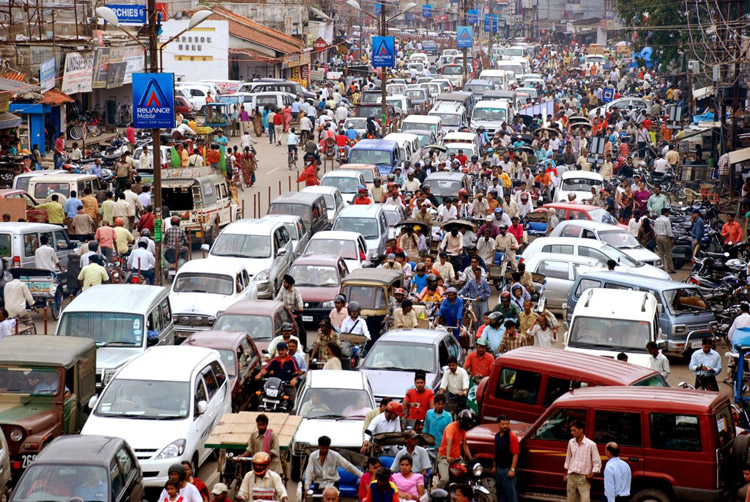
pixel 608 94
pixel 492 22
pixel 427 10
pixel 464 38
pixel 153 100
pixel 383 52
pixel 473 16
pixel 378 8
pixel 130 14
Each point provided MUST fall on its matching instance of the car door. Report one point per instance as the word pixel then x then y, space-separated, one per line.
pixel 63 246
pixel 625 428
pixel 132 490
pixel 556 283
pixel 201 421
pixel 277 265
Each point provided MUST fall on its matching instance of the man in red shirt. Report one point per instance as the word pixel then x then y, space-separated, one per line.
pixel 419 398
pixel 479 363
pixel 59 150
pixel 454 445
pixel 362 198
pixel 462 158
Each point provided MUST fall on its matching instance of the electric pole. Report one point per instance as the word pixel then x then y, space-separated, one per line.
pixel 153 51
pixel 383 70
pixel 464 14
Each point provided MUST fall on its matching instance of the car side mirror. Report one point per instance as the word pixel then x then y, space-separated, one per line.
pixel 202 407
pixel 92 402
pixel 281 252
pixel 205 248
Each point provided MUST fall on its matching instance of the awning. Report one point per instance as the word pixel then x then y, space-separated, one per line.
pixel 14 86
pixel 739 155
pixel 53 97
pixel 9 121
pixel 703 92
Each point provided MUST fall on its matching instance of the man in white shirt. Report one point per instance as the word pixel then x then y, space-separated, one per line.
pixel 45 257
pixel 144 161
pixel 661 165
pixel 388 421
pixel 447 211
pixel 411 184
pixel 145 196
pixel 455 381
pixel 7 326
pixel 355 324
pixel 741 321
pixel 657 361
pixel 141 260
pixel 17 295
pixel 146 237
pixel 134 204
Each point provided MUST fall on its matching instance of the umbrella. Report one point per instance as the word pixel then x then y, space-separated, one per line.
pixel 448 225
pixel 439 148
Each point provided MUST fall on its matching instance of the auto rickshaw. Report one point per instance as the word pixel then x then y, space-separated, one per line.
pixel 217 115
pixel 373 289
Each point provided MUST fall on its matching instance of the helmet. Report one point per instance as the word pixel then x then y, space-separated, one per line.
pixel 261 461
pixel 431 277
pixel 179 469
pixel 463 192
pixel 439 495
pixel 361 188
pixel 395 407
pixel 340 298
pixel 466 419
pixel 354 307
pixel 490 150
pixel 499 210
pixel 399 291
pixel 286 327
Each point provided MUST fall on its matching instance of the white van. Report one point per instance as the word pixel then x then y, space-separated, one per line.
pixel 606 322
pixel 590 60
pixel 452 115
pixel 198 93
pixel 516 66
pixel 408 145
pixel 499 78
pixel 423 122
pixel 491 114
pixel 420 57
pixel 164 403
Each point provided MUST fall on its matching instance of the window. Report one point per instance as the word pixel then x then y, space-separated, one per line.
pixel 675 432
pixel 61 241
pixel 126 463
pixel 5 245
pixel 154 322
pixel 166 311
pixel 453 348
pixel 557 426
pixel 611 285
pixel 200 393
pixel 443 355
pixel 219 373
pixel 30 244
pixel 593 253
pixel 115 477
pixel 570 231
pixel 585 284
pixel 556 387
pixel 554 269
pixel 518 386
pixel 588 234
pixel 558 248
pixel 724 426
pixel 624 428
pixel 212 384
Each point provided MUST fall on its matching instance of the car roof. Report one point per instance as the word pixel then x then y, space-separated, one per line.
pixel 23 226
pixel 652 399
pixel 370 210
pixel 356 167
pixel 570 240
pixel 376 144
pixel 587 367
pixel 215 339
pixel 251 226
pixel 581 174
pixel 255 307
pixel 170 363
pixel 129 298
pixel 286 218
pixel 402 136
pixel 416 336
pixel 346 173
pixel 640 281
pixel 323 260
pixel 377 275
pixel 211 266
pixel 77 449
pixel 298 197
pixel 335 379
pixel 443 175
pixel 616 304
pixel 421 118
pixel 492 103
pixel 582 260
pixel 43 349
pixel 336 234
pixel 567 205
pixel 591 224
pixel 63 178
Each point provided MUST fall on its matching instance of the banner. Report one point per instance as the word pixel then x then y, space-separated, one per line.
pixel 129 14
pixel 133 56
pixel 427 10
pixel 79 72
pixel 47 73
pixel 101 64
pixel 464 37
pixel 383 52
pixel 473 16
pixel 153 100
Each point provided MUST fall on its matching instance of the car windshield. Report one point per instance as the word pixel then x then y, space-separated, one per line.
pixel 370 110
pixel 356 123
pixel 369 297
pixel 601 216
pixel 621 239
pixel 401 357
pixel 493 114
pixel 259 327
pixel 316 276
pixel 415 95
pixel 62 482
pixel 580 184
pixel 145 399
pixel 424 139
pixel 510 52
pixel 616 335
pixel 368 227
pixel 682 300
pixel 204 283
pixel 377 157
pixel 44 190
pixel 409 126
pixel 335 403
pixel 242 246
pixel 392 217
pixel 229 358
pixel 301 210
pixel 453 70
pixel 346 248
pixel 37 381
pixel 345 185
pixel 449 119
pixel 107 329
pixel 619 256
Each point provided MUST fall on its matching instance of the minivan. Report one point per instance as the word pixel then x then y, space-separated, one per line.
pixel 684 317
pixel 381 152
pixel 311 207
pixel 370 222
pixel 491 115
pixel 524 382
pixel 408 144
pixel 122 319
pixel 164 403
pixel 431 122
pixel 41 187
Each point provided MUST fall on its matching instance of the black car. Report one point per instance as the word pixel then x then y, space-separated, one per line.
pixel 92 468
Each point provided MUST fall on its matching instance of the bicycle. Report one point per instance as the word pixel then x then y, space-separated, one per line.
pixel 292 158
pixel 75 131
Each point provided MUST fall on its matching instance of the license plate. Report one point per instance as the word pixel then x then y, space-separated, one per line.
pixel 696 344
pixel 26 460
pixel 307 318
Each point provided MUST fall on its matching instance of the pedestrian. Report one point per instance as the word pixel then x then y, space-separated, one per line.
pixel 142 262
pixel 664 240
pixel 278 125
pixel 617 476
pixel 706 364
pixel 657 361
pixel 582 461
pixel 55 211
pixel 505 460
pixel 697 229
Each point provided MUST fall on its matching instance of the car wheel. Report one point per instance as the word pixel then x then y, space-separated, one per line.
pixel 650 495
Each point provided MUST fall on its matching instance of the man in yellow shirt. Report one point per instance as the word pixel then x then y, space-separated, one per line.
pixel 92 274
pixel 123 237
pixel 90 204
pixel 55 212
pixel 108 209
pixel 192 124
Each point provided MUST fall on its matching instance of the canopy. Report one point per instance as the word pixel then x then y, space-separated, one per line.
pixel 9 121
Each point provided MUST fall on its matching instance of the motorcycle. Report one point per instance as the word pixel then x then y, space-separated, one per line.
pixel 342 154
pixel 471 472
pixel 273 397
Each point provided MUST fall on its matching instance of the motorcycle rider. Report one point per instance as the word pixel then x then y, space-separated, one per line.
pixel 262 483
pixel 187 491
pixel 388 421
pixel 453 445
pixel 283 367
pixel 322 467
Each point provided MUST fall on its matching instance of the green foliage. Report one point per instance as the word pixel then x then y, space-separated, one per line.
pixel 639 15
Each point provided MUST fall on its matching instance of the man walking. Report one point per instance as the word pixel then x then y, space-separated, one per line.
pixel 664 239
pixel 582 461
pixel 505 460
pixel 617 476
pixel 706 364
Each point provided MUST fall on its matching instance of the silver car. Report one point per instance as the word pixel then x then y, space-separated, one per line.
pixel 560 272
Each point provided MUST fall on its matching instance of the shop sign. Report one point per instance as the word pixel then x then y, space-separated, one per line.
pixel 79 72
pixel 47 73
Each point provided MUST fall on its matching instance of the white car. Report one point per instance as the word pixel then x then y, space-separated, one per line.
pixel 351 246
pixel 334 200
pixel 203 288
pixel 298 231
pixel 164 403
pixel 624 104
pixel 578 183
pixel 346 181
pixel 332 403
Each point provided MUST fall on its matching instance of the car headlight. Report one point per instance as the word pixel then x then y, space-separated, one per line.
pixel 477 469
pixel 328 305
pixel 107 375
pixel 372 254
pixel 262 275
pixel 173 449
pixel 16 434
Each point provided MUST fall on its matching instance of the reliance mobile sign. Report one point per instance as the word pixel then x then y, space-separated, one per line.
pixel 383 52
pixel 129 14
pixel 153 99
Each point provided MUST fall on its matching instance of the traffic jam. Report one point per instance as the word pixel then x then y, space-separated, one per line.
pixel 493 277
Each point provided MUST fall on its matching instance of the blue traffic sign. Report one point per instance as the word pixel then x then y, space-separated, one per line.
pixel 464 37
pixel 378 8
pixel 129 14
pixel 490 22
pixel 473 16
pixel 383 52
pixel 427 10
pixel 153 99
pixel 608 94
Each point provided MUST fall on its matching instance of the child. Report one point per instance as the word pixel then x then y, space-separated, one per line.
pixel 173 491
pixel 373 464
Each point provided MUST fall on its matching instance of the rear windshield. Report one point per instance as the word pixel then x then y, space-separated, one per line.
pixel 44 190
pixel 301 210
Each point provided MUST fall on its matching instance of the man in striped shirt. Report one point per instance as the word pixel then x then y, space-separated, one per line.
pixel 582 460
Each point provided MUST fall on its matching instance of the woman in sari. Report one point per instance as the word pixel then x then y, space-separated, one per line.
pixel 257 123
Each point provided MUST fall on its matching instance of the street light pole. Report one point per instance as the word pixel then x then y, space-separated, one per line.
pixel 383 70
pixel 464 13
